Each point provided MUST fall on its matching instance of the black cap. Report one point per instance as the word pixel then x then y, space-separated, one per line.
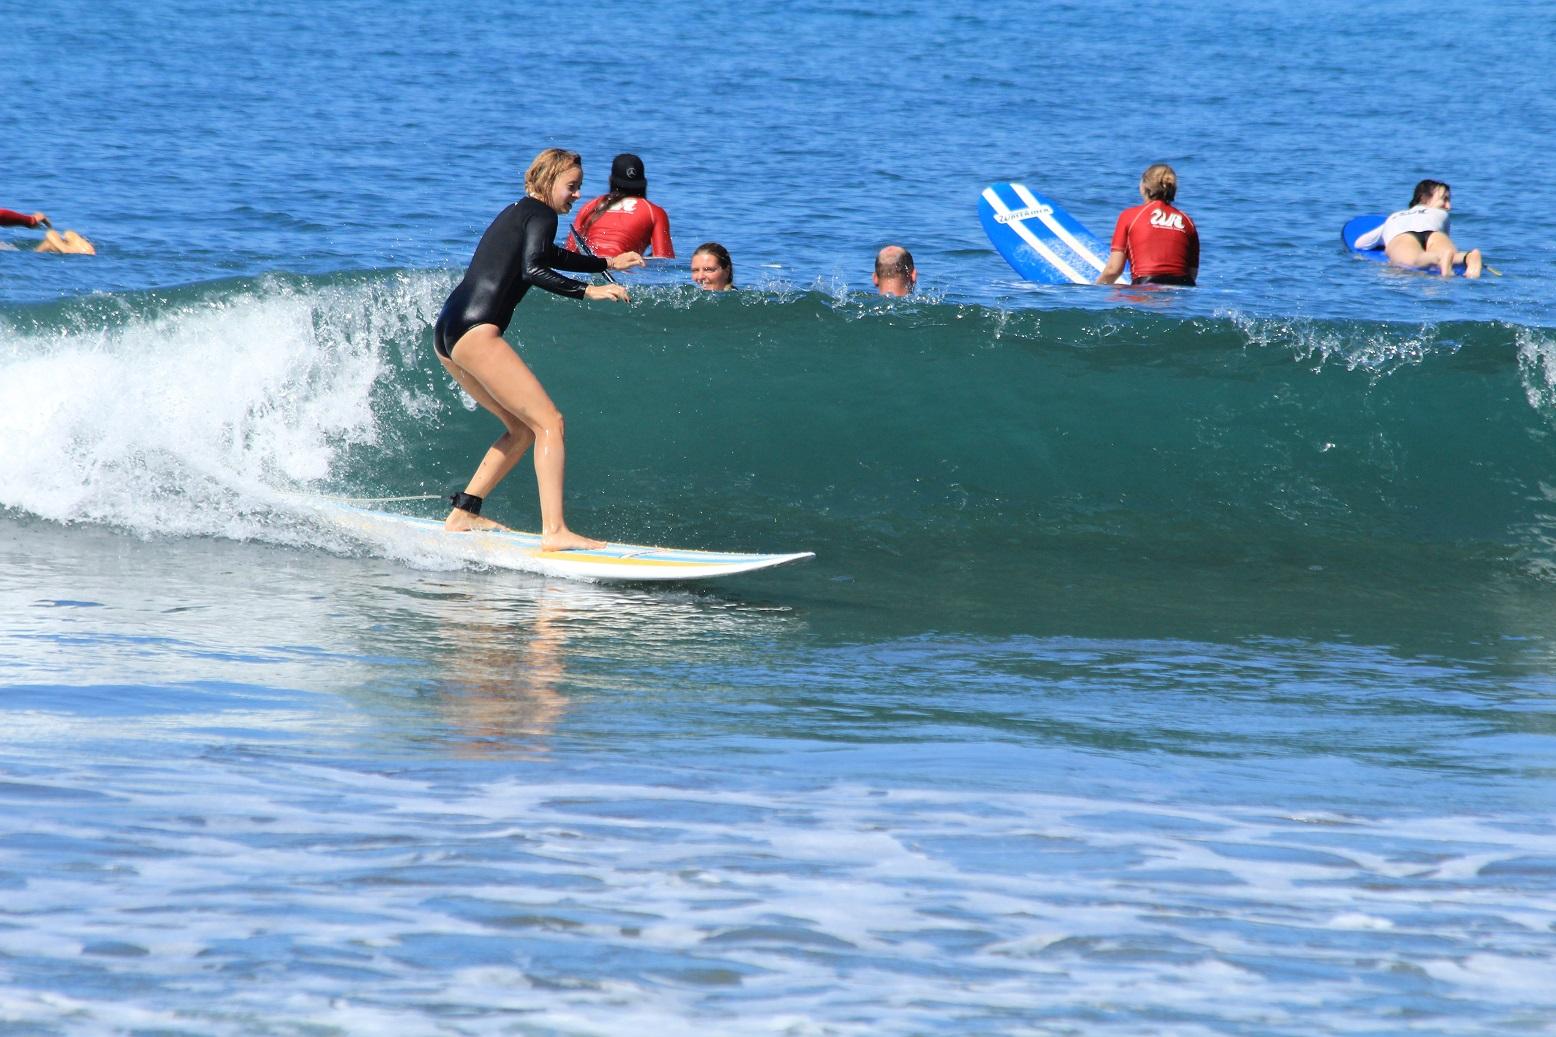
pixel 627 174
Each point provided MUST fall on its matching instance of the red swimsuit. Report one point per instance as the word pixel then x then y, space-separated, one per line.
pixel 634 225
pixel 1157 240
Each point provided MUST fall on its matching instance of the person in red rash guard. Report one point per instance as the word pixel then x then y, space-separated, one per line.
pixel 12 218
pixel 1158 241
pixel 53 240
pixel 624 220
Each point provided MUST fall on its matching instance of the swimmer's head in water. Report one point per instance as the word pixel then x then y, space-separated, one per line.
pixel 627 176
pixel 712 268
pixel 894 271
pixel 543 173
pixel 1426 194
pixel 1159 183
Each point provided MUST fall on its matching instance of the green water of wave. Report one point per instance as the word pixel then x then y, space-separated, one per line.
pixel 798 418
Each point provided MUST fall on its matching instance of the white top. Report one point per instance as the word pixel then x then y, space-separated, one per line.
pixel 1422 217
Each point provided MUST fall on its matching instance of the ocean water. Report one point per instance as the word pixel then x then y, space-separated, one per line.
pixel 1173 662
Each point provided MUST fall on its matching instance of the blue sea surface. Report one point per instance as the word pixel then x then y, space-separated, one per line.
pixel 1174 662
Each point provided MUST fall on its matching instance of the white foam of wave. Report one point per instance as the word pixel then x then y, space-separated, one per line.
pixel 180 422
pixel 1378 351
pixel 1537 367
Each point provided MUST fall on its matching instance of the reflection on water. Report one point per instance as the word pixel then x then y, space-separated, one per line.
pixel 502 672
pixel 512 653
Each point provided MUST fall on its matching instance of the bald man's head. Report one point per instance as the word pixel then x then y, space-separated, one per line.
pixel 894 271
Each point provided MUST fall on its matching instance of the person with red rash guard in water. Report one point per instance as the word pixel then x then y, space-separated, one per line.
pixel 1159 242
pixel 53 240
pixel 623 220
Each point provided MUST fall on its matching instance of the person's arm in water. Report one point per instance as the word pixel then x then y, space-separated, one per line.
pixel 1113 268
pixel 662 246
pixel 12 218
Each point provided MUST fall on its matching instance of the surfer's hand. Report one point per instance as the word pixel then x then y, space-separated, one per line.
pixel 610 292
pixel 624 261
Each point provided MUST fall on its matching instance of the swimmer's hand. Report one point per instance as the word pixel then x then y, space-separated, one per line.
pixel 624 261
pixel 38 218
pixel 609 292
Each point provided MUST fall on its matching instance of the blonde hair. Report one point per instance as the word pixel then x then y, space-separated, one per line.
pixel 1159 182
pixel 542 173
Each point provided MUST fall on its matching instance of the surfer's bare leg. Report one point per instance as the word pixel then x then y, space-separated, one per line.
pixel 512 392
pixel 500 457
pixel 1473 263
pixel 1441 247
pixel 1407 252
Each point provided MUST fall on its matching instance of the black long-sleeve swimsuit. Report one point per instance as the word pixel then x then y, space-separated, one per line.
pixel 517 250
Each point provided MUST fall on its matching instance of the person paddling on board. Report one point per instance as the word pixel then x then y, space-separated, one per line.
pixel 53 240
pixel 1159 242
pixel 623 220
pixel 519 250
pixel 1417 238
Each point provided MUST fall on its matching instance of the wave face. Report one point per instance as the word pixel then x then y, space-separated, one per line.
pixel 795 419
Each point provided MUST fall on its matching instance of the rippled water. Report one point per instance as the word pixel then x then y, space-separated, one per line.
pixel 1173 664
pixel 345 795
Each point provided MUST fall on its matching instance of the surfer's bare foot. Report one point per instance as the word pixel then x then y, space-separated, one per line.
pixel 461 521
pixel 1473 263
pixel 567 540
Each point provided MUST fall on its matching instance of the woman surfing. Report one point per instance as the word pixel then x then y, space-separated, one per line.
pixel 519 250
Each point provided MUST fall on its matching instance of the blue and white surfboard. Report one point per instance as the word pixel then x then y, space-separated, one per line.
pixel 1358 227
pixel 1041 241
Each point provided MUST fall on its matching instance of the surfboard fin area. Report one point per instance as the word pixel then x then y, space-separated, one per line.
pixel 409 536
pixel 1038 238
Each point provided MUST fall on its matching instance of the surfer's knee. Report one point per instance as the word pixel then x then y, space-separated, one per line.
pixel 547 424
pixel 516 436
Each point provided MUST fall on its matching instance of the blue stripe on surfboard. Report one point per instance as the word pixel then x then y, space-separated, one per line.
pixel 1038 238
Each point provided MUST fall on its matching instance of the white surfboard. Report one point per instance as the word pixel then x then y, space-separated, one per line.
pixel 521 551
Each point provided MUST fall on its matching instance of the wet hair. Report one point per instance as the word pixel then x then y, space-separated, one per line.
pixel 542 173
pixel 1159 182
pixel 606 201
pixel 620 188
pixel 720 253
pixel 1424 191
pixel 902 266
